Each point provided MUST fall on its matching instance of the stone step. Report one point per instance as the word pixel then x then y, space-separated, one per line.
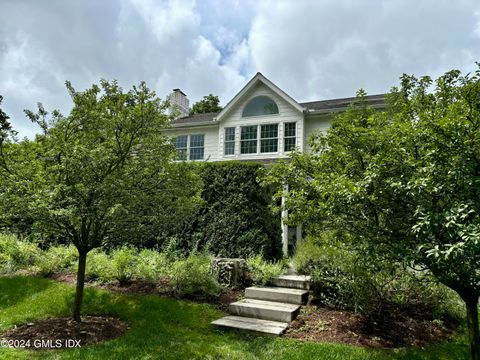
pixel 267 310
pixel 292 281
pixel 279 294
pixel 251 324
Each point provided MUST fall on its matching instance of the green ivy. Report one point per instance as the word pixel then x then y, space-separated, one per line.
pixel 236 219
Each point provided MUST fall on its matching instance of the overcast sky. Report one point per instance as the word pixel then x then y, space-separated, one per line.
pixel 313 50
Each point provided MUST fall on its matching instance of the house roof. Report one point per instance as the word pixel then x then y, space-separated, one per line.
pixel 253 81
pixel 318 107
pixel 333 105
pixel 195 119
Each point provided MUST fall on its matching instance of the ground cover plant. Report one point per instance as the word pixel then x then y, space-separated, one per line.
pixel 391 305
pixel 169 272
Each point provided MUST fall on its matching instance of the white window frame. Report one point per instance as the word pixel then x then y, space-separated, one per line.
pixel 244 140
pixel 182 148
pixel 225 141
pixel 289 137
pixel 260 139
pixel 189 147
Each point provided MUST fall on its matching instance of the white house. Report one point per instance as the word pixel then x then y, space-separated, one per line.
pixel 261 123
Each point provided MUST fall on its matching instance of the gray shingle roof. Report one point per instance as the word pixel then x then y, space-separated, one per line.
pixel 195 118
pixel 315 106
pixel 338 104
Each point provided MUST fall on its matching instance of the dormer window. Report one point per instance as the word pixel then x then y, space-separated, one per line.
pixel 260 105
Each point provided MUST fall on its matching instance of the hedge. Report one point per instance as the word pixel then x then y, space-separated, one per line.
pixel 236 219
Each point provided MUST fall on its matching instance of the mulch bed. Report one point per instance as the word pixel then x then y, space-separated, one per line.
pixel 144 288
pixel 321 324
pixel 317 323
pixel 58 333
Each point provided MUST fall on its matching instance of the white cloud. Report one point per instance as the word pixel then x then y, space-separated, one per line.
pixel 312 49
pixel 331 48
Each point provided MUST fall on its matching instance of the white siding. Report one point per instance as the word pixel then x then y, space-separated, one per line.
pixel 214 134
pixel 315 124
pixel 234 119
pixel 211 139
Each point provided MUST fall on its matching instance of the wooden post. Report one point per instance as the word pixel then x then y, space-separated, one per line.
pixel 284 226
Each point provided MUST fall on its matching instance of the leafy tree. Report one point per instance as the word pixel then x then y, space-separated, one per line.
pixel 7 135
pixel 84 177
pixel 5 126
pixel 403 183
pixel 6 130
pixel 209 103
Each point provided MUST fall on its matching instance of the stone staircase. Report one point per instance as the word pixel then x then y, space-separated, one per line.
pixel 268 309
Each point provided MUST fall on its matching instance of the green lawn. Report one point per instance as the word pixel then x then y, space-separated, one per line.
pixel 168 329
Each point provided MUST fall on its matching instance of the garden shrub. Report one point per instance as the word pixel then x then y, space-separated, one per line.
pixel 15 254
pixel 344 278
pixel 192 276
pixel 308 256
pixel 99 266
pixel 56 259
pixel 150 266
pixel 124 261
pixel 261 271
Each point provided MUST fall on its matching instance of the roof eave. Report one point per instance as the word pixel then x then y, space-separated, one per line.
pixel 339 109
pixel 194 124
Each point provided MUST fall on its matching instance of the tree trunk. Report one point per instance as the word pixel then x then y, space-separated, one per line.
pixel 471 303
pixel 82 261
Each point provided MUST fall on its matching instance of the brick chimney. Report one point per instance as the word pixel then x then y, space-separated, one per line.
pixel 179 103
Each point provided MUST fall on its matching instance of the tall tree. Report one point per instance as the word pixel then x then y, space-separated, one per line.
pixel 210 103
pixel 404 183
pixel 6 130
pixel 89 170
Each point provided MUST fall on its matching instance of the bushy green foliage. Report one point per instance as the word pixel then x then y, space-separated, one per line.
pixel 150 265
pixel 124 261
pixel 236 219
pixel 184 276
pixel 16 254
pixel 402 180
pixel 99 267
pixel 209 103
pixel 56 259
pixel 342 278
pixel 262 271
pixel 192 276
pixel 309 255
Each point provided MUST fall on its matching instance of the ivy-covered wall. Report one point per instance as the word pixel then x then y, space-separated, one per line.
pixel 236 219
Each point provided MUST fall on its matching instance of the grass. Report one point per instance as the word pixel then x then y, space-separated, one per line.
pixel 163 328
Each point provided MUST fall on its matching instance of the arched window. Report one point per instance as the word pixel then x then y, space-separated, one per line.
pixel 260 105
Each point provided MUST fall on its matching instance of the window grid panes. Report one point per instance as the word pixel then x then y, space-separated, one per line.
pixel 269 138
pixel 290 136
pixel 260 105
pixel 248 140
pixel 197 143
pixel 229 141
pixel 181 146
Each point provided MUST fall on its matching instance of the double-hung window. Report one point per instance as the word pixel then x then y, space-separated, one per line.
pixel 229 141
pixel 181 143
pixel 190 146
pixel 248 139
pixel 269 138
pixel 197 146
pixel 290 134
